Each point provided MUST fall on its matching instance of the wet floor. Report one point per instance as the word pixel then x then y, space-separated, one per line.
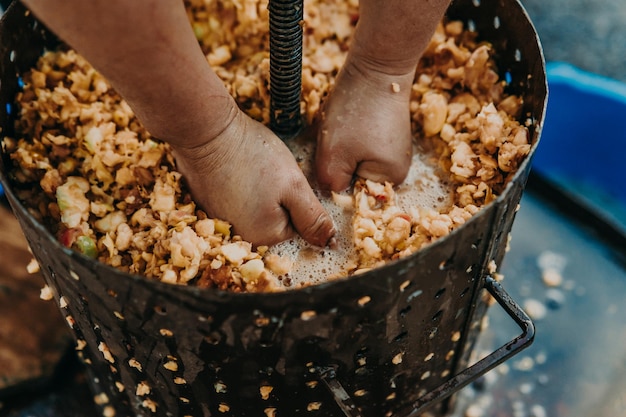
pixel 587 33
pixel 577 364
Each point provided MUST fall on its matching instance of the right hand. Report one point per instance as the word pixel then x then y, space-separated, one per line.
pixel 247 176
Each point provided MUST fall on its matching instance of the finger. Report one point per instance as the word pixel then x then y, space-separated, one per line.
pixel 374 171
pixel 266 230
pixel 308 216
pixel 394 172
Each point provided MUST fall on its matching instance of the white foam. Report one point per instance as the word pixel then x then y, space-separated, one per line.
pixel 422 188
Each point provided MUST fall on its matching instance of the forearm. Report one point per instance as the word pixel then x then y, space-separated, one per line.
pixel 148 52
pixel 394 33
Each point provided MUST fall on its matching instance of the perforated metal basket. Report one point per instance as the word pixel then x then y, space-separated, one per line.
pixel 395 341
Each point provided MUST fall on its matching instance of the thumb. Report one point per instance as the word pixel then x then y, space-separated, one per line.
pixel 309 217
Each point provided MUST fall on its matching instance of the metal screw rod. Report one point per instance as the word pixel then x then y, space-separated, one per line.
pixel 285 66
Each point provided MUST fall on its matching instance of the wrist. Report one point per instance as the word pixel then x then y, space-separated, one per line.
pixel 361 55
pixel 201 123
pixel 394 81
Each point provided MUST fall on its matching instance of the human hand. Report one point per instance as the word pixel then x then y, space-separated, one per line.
pixel 365 128
pixel 247 176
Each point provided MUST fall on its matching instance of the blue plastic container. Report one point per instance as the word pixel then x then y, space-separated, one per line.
pixel 583 144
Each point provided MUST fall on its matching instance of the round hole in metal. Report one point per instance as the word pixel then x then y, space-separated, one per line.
pixel 413 295
pixel 364 300
pixel 496 22
pixel 437 316
pixel 406 284
pixel 314 406
pixel 432 332
pixel 446 264
pixel 440 293
pixel 465 291
pixel 508 77
pixel 401 336
pixel 361 371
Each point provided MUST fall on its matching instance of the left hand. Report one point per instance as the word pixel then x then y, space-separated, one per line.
pixel 365 128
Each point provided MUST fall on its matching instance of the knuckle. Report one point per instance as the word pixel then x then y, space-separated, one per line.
pixel 320 231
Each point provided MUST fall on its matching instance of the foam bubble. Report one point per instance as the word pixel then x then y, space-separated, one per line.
pixel 312 265
pixel 423 188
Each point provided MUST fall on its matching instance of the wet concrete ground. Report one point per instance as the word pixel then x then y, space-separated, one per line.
pixel 576 366
pixel 590 34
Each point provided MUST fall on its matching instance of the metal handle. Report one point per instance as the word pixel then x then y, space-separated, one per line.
pixel 462 379
pixel 486 364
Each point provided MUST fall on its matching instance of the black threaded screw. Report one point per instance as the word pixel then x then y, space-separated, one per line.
pixel 285 66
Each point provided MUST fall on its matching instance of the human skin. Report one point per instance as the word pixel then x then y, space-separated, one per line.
pixel 365 126
pixel 236 168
